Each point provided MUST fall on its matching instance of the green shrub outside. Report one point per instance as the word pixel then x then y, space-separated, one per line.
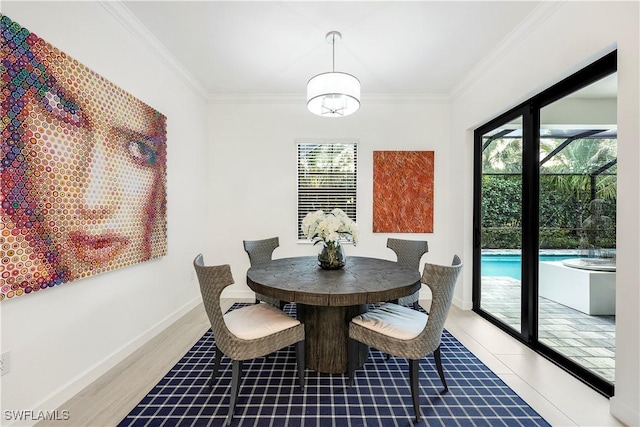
pixel 562 213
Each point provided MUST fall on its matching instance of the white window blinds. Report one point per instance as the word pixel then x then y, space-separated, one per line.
pixel 326 178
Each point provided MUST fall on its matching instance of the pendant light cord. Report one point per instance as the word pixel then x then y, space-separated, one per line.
pixel 333 45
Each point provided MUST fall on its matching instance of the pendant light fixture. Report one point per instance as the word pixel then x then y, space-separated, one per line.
pixel 333 94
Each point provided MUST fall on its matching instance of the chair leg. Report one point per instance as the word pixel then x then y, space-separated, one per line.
pixel 352 357
pixel 436 356
pixel 216 366
pixel 414 369
pixel 301 362
pixel 235 385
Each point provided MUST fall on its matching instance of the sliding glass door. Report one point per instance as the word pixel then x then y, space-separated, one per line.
pixel 544 222
pixel 577 228
pixel 501 222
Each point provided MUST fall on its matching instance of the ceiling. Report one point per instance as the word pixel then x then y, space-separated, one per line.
pixel 274 48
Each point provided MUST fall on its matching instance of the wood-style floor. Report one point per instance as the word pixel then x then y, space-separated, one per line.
pixel 560 398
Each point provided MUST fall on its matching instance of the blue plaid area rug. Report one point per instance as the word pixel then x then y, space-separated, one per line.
pixel 269 394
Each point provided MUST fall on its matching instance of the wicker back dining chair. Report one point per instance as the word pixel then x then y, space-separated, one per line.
pixel 260 251
pixel 409 253
pixel 404 332
pixel 245 333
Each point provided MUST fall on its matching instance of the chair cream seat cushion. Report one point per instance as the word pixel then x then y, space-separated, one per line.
pixel 393 320
pixel 258 321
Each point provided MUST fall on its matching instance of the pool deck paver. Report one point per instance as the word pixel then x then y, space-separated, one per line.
pixel 587 340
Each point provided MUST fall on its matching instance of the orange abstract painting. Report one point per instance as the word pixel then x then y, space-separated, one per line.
pixel 403 191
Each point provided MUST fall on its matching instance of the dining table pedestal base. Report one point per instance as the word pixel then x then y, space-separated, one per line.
pixel 326 331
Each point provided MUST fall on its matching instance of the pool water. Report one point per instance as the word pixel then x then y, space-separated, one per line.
pixel 509 265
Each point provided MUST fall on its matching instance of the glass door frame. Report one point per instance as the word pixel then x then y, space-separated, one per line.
pixel 530 112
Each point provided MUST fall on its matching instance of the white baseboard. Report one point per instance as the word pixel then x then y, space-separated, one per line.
pixel 239 295
pixel 625 413
pixel 462 304
pixel 84 379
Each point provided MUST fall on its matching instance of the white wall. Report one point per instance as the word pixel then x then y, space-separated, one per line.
pixel 63 338
pixel 575 34
pixel 253 174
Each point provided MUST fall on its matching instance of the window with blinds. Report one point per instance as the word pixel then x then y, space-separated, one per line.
pixel 326 178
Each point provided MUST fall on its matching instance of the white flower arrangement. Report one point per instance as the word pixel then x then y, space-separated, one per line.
pixel 329 227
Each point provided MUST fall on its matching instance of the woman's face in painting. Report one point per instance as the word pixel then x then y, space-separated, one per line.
pixel 94 161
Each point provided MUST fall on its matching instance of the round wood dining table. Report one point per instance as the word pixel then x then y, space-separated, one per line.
pixel 327 300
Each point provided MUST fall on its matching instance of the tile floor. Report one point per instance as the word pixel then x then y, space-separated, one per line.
pixel 556 395
pixel 588 340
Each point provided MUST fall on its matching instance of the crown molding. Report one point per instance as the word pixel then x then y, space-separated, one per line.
pixel 300 98
pixel 540 14
pixel 510 42
pixel 138 30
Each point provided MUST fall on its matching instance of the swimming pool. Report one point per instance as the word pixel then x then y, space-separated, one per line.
pixel 510 265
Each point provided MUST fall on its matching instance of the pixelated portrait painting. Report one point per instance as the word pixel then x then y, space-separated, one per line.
pixel 83 169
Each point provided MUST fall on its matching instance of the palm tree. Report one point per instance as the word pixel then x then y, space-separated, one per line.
pixel 577 162
pixel 503 155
